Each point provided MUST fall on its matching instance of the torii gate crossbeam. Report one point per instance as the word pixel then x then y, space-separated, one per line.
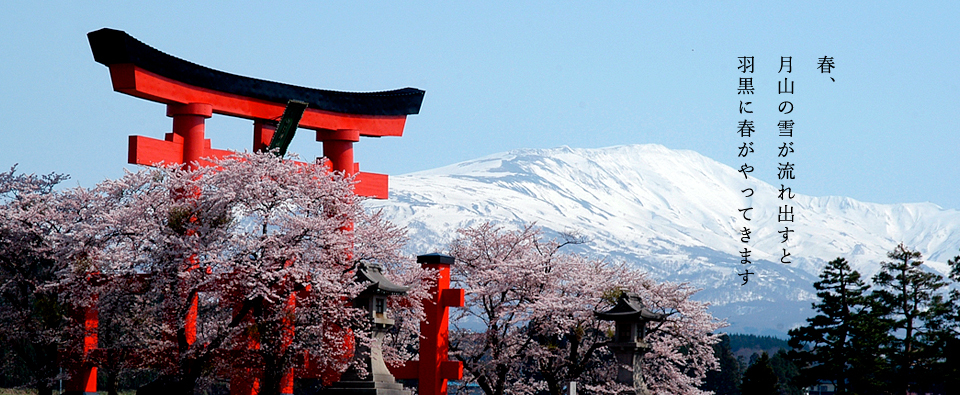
pixel 196 92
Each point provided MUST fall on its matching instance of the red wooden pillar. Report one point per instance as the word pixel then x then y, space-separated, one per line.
pixel 434 369
pixel 190 322
pixel 338 148
pixel 262 134
pixel 244 378
pixel 436 344
pixel 83 372
pixel 188 122
pixel 286 381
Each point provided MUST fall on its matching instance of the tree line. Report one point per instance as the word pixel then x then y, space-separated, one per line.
pixel 898 334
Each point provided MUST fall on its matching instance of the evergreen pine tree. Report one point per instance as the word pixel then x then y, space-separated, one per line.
pixel 759 379
pixel 725 380
pixel 786 372
pixel 840 343
pixel 913 303
pixel 869 368
pixel 949 369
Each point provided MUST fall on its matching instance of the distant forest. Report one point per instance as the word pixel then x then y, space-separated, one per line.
pixel 740 354
pixel 896 334
pixel 770 344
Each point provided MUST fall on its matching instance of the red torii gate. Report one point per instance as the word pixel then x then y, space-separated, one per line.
pixel 193 93
pixel 433 369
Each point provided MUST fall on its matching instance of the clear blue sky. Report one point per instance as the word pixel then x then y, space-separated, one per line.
pixel 525 75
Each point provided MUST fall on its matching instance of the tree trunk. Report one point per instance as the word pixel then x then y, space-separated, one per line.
pixel 44 389
pixel 272 375
pixel 112 378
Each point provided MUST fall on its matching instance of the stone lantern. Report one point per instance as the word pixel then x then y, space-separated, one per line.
pixel 630 318
pixel 379 380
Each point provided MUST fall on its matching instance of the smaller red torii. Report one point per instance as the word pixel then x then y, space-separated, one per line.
pixel 434 369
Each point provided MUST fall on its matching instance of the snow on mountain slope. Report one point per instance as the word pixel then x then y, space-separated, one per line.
pixel 674 214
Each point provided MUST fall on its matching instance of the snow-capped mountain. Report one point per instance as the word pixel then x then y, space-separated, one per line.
pixel 675 214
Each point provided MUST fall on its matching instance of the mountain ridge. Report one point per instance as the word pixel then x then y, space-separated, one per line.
pixel 674 214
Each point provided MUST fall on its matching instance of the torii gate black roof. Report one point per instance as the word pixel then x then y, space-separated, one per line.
pixel 117 47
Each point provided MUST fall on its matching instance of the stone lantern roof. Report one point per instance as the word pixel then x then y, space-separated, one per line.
pixel 373 272
pixel 630 308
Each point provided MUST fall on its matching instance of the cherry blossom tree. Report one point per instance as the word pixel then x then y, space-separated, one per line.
pixel 32 315
pixel 534 306
pixel 265 247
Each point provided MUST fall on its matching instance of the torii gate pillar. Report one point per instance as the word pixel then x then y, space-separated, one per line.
pixel 188 124
pixel 434 367
pixel 338 148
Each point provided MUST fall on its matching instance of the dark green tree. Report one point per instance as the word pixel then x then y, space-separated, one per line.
pixel 840 343
pixel 786 372
pixel 725 380
pixel 869 367
pixel 949 368
pixel 940 346
pixel 911 298
pixel 760 379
